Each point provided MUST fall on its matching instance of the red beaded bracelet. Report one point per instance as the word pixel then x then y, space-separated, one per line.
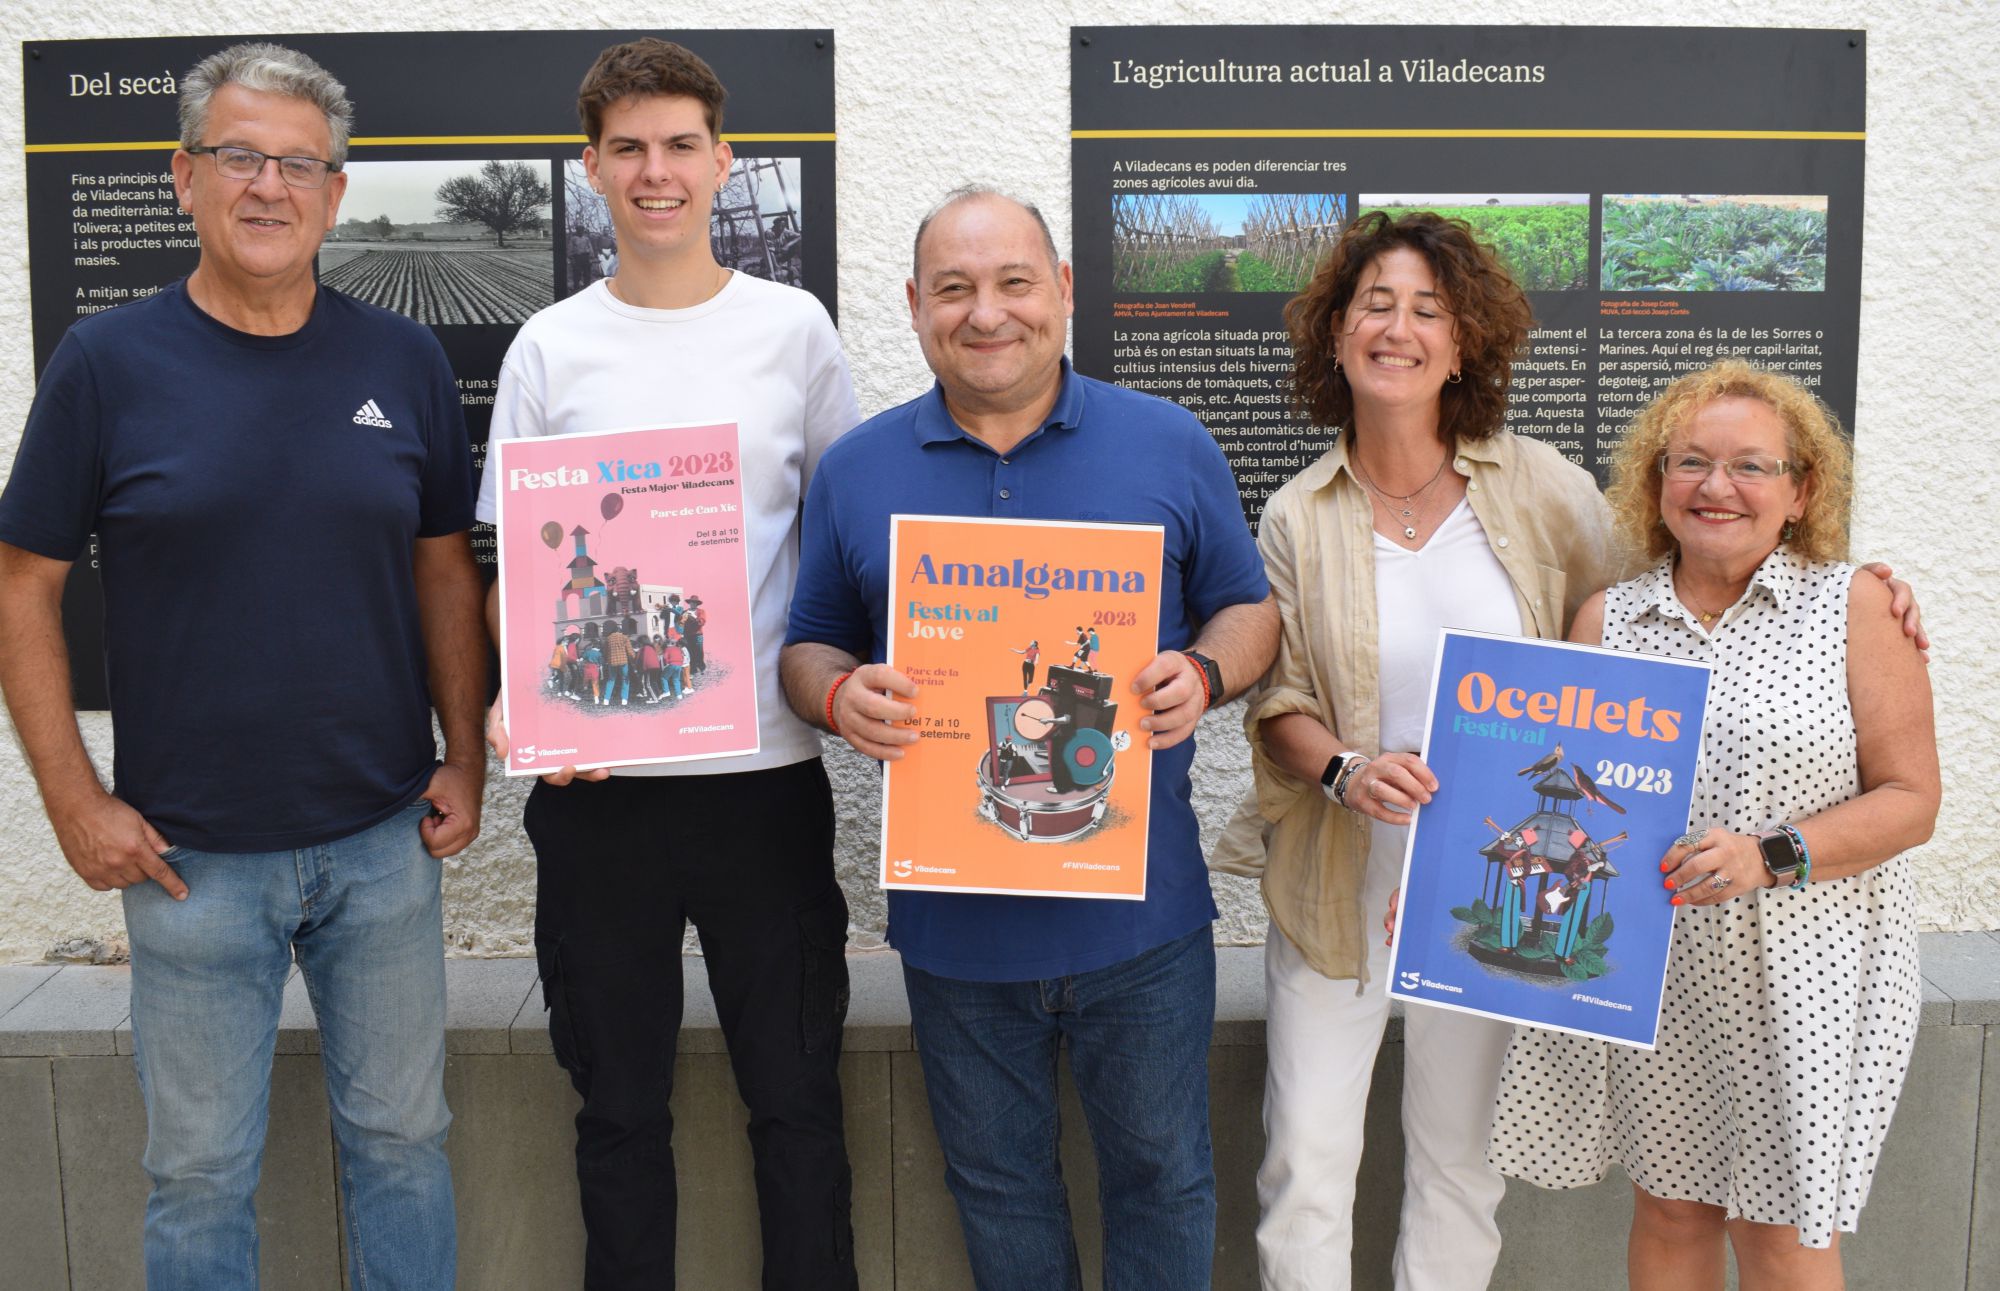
pixel 838 682
pixel 1202 673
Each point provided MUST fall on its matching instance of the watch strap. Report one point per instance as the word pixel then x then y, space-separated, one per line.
pixel 1780 854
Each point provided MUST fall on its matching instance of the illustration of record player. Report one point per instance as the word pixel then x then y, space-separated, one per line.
pixel 1051 757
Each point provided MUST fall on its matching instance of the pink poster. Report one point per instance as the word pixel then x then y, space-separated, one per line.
pixel 624 599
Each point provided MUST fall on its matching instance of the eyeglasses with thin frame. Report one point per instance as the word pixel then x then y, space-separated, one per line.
pixel 1751 468
pixel 232 162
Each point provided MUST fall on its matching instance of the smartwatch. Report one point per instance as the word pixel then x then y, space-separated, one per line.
pixel 1781 855
pixel 1331 779
pixel 1212 671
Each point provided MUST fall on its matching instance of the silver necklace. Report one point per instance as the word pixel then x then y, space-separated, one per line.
pixel 1408 510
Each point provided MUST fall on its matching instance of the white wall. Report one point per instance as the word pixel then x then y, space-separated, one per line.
pixel 936 93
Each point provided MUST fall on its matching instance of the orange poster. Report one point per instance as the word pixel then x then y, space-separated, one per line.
pixel 1031 775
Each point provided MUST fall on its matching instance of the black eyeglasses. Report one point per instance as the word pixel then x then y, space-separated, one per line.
pixel 247 163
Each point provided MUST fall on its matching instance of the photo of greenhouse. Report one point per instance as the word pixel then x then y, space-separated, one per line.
pixel 1201 242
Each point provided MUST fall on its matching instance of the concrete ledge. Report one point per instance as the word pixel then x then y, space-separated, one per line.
pixel 71 1127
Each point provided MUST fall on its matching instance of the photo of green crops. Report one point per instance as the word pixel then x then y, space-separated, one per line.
pixel 1713 242
pixel 1542 238
pixel 1207 242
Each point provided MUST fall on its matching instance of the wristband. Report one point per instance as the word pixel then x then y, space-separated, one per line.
pixel 838 682
pixel 1804 875
pixel 1331 776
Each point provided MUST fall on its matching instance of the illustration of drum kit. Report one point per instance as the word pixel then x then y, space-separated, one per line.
pixel 1051 757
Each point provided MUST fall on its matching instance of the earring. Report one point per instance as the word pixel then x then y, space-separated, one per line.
pixel 1453 378
pixel 1789 532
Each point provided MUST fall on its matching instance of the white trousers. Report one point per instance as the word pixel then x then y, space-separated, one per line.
pixel 1321 1038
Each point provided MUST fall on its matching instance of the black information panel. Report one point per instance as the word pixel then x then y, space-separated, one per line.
pixel 466 206
pixel 1665 195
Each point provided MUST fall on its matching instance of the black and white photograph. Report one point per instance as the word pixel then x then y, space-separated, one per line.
pixel 754 228
pixel 445 241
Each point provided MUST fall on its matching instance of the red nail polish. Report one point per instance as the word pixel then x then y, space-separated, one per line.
pixel 1665 866
pixel 1669 883
pixel 1677 901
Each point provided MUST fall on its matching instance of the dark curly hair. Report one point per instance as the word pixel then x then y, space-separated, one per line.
pixel 1490 320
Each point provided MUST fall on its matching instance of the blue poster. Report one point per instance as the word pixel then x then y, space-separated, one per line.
pixel 1531 888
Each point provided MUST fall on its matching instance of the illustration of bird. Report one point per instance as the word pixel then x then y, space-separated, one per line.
pixel 1589 787
pixel 1549 763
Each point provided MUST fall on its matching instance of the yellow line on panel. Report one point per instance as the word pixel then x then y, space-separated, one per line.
pixel 146 146
pixel 1469 134
pixel 422 140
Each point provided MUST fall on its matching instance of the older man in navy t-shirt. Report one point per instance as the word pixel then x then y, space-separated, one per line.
pixel 997 982
pixel 279 479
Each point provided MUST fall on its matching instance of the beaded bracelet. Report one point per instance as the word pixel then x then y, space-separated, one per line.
pixel 1804 876
pixel 1348 771
pixel 1206 697
pixel 838 682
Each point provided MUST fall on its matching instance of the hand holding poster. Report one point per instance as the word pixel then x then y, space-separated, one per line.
pixel 624 599
pixel 1031 775
pixel 1551 760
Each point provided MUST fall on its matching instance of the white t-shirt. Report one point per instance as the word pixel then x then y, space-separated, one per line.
pixel 757 353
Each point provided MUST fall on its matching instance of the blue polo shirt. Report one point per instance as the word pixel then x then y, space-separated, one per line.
pixel 1105 453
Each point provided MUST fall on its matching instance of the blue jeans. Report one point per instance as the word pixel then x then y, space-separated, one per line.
pixel 364 917
pixel 1138 1035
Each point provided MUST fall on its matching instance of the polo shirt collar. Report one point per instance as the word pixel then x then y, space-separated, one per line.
pixel 934 424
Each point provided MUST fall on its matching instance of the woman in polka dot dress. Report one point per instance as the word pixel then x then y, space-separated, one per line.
pixel 1792 991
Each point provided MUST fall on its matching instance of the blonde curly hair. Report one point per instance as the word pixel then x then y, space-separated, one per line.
pixel 1821 458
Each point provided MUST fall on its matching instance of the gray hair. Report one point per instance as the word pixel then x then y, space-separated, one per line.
pixel 267 69
pixel 967 193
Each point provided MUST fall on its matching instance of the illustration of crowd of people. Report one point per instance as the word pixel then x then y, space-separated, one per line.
pixel 615 666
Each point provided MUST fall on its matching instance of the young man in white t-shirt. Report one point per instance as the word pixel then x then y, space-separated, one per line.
pixel 742 846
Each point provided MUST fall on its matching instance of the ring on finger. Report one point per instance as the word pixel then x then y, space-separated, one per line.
pixel 1690 839
pixel 1718 880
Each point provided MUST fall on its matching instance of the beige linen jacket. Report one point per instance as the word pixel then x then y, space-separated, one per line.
pixel 1550 529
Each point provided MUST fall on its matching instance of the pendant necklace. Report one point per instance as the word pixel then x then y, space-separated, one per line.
pixel 1408 507
pixel 1707 617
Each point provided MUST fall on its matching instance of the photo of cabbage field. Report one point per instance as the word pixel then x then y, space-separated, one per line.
pixel 1712 242
pixel 1200 242
pixel 1542 238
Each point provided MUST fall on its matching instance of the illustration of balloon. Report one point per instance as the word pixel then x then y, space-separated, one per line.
pixel 612 505
pixel 552 535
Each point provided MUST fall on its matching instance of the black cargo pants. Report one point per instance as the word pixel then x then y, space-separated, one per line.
pixel 621 865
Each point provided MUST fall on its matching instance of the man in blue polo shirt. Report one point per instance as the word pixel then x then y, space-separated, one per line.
pixel 280 482
pixel 996 983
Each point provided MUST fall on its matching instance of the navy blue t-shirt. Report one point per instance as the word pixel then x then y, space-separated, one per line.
pixel 257 499
pixel 1105 453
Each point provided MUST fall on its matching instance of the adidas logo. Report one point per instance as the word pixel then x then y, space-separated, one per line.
pixel 370 414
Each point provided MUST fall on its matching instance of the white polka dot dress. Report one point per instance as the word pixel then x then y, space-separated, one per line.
pixel 1788 1017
